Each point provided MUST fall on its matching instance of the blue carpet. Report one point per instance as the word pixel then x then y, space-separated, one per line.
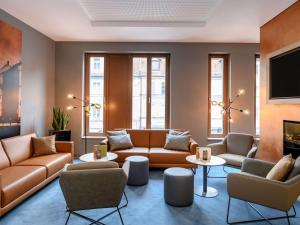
pixel 146 207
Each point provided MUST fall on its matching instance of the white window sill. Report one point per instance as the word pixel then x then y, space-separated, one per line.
pixel 93 137
pixel 215 139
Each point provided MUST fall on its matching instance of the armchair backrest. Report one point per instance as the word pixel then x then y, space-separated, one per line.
pixel 91 188
pixel 238 143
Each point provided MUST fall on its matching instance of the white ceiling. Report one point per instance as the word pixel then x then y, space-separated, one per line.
pixel 147 20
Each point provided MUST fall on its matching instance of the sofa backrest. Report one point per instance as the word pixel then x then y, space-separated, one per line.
pixel 4 161
pixel 158 138
pixel 239 144
pixel 139 138
pixel 18 148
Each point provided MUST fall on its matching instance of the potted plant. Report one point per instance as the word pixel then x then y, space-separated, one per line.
pixel 59 124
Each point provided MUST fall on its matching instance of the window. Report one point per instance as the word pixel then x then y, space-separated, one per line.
pixel 95 93
pixel 257 94
pixel 218 86
pixel 150 96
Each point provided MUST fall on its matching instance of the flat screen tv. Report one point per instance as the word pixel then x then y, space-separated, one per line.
pixel 284 75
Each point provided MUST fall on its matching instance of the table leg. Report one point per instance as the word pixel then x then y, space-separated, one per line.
pixel 205 191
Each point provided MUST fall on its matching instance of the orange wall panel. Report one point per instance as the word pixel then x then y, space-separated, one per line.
pixel 279 32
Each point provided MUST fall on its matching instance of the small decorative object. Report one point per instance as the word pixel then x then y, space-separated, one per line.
pixel 103 149
pixel 205 153
pixel 198 153
pixel 97 151
pixel 59 124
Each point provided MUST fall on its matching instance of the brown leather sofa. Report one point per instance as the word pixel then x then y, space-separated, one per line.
pixel 150 143
pixel 21 174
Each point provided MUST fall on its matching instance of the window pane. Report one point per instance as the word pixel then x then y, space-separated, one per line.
pixel 158 92
pixel 96 94
pixel 217 90
pixel 257 95
pixel 139 93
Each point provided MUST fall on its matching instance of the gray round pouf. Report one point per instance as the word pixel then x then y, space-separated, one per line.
pixel 178 186
pixel 138 170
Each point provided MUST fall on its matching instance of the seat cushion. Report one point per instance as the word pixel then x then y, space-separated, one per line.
pixel 158 138
pixel 123 154
pixel 233 159
pixel 239 144
pixel 162 156
pixel 16 180
pixel 139 138
pixel 18 148
pixel 4 162
pixel 53 163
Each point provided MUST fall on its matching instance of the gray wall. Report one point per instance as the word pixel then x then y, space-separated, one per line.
pixel 38 73
pixel 189 81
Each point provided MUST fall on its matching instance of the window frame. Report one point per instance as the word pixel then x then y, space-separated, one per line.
pixel 225 58
pixel 256 56
pixel 85 117
pixel 149 56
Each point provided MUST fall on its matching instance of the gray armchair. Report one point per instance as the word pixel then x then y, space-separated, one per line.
pixel 252 186
pixel 235 148
pixel 93 185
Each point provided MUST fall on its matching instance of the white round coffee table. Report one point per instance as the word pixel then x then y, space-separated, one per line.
pixel 206 191
pixel 89 157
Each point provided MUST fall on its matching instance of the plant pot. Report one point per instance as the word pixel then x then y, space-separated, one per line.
pixel 61 135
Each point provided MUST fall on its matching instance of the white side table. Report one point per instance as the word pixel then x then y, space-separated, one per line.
pixel 206 191
pixel 89 157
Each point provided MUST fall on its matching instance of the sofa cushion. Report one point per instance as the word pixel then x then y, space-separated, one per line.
pixel 165 156
pixel 158 138
pixel 18 148
pixel 178 142
pixel 16 180
pixel 4 162
pixel 117 142
pixel 281 169
pixel 239 144
pixel 53 163
pixel 44 145
pixel 296 169
pixel 139 138
pixel 233 159
pixel 123 154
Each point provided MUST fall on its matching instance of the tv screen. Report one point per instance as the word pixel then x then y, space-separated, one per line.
pixel 285 75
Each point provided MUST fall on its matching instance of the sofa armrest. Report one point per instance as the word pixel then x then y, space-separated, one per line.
pixel 257 167
pixel 259 190
pixel 193 146
pixel 217 148
pixel 65 147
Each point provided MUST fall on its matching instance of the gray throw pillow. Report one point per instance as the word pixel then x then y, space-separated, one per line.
pixel 118 142
pixel 176 132
pixel 296 169
pixel 117 132
pixel 177 142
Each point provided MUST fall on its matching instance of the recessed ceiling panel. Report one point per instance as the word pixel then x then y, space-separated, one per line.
pixel 148 13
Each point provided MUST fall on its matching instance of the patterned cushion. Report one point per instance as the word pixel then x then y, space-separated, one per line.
pixel 176 132
pixel 177 142
pixel 116 132
pixel 119 142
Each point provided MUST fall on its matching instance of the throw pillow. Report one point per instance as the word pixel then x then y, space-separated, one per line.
pixel 177 142
pixel 43 145
pixel 296 169
pixel 176 132
pixel 119 142
pixel 116 132
pixel 281 169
